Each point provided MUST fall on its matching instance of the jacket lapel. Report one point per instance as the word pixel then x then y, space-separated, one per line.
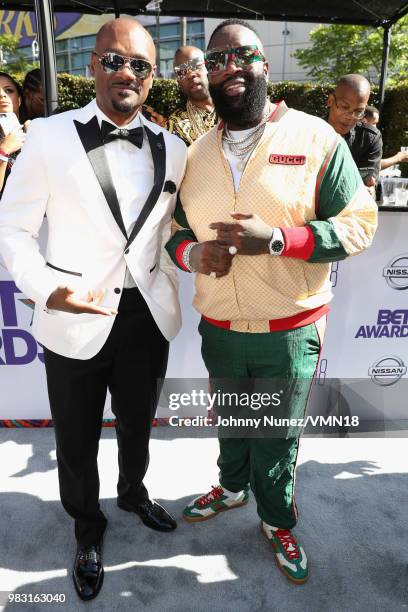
pixel 158 150
pixel 91 139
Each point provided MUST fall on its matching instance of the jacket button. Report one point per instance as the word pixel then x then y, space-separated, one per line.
pixel 117 290
pixel 127 251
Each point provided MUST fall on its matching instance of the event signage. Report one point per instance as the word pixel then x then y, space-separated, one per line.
pixel 23 24
pixel 387 371
pixel 389 324
pixel 396 273
pixel 365 351
pixel 17 345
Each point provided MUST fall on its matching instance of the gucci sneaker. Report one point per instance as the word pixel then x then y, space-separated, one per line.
pixel 212 503
pixel 289 556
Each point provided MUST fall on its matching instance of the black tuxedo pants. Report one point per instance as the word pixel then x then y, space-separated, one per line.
pixel 130 363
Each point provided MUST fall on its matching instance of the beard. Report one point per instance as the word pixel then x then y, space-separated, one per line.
pixel 124 106
pixel 243 110
pixel 127 102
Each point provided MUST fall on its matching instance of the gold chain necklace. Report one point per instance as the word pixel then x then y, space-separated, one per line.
pixel 241 147
pixel 200 120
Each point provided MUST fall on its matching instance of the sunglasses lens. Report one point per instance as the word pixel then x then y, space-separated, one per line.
pixel 180 73
pixel 247 55
pixel 140 68
pixel 111 62
pixel 216 61
pixel 182 70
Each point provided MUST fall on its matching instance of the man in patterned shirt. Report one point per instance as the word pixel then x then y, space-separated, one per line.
pixel 199 115
pixel 271 196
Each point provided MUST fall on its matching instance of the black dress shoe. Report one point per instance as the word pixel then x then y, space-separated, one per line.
pixel 152 514
pixel 88 571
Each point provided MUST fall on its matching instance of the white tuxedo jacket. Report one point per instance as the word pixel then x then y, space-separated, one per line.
pixel 62 172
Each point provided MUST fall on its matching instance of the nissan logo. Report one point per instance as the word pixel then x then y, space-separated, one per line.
pixel 387 371
pixel 396 273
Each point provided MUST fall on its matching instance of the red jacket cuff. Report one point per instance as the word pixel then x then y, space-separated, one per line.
pixel 179 254
pixel 299 242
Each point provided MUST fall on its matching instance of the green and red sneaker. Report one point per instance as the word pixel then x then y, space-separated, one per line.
pixel 289 556
pixel 217 500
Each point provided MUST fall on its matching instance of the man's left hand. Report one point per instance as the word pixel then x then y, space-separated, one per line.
pixel 251 236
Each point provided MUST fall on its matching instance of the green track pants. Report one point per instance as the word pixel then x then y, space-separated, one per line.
pixel 266 464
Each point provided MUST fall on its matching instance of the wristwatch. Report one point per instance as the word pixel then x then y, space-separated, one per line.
pixel 277 243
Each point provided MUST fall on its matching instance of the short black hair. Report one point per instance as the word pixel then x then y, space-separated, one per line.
pixel 230 22
pixel 370 111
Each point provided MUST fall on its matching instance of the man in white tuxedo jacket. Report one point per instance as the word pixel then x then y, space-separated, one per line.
pixel 106 292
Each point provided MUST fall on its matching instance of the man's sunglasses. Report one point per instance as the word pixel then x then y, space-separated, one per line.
pixel 217 59
pixel 112 62
pixel 193 65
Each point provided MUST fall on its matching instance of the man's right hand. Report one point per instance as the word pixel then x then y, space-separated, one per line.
pixel 402 157
pixel 63 298
pixel 209 257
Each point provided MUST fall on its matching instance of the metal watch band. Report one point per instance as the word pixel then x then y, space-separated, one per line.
pixel 186 256
pixel 277 242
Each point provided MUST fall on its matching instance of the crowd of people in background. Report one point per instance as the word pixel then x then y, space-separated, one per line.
pixel 26 102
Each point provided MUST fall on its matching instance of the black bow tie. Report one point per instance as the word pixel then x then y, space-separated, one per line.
pixel 110 132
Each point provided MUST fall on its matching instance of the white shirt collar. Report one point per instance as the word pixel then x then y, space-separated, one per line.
pixel 136 122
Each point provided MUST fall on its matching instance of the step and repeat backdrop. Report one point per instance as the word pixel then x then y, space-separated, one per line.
pixel 363 364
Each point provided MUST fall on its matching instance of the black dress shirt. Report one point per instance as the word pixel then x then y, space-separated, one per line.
pixel 365 144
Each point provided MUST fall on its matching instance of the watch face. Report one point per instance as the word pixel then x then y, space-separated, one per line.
pixel 277 246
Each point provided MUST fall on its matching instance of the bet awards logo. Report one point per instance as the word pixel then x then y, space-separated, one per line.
pixel 387 371
pixel 396 273
pixel 17 345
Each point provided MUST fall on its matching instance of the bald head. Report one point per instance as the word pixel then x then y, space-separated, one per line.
pixel 355 83
pixel 348 102
pixel 187 53
pixel 123 65
pixel 125 29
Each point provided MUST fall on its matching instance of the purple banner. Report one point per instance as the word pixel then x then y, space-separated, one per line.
pixel 23 24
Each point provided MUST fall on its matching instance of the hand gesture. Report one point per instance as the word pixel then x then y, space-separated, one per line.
pixel 251 236
pixel 64 298
pixel 210 258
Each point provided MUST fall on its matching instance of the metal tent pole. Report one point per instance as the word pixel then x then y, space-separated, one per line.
pixel 45 30
pixel 183 31
pixel 384 64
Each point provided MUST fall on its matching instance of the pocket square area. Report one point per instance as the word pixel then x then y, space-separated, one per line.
pixel 170 187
